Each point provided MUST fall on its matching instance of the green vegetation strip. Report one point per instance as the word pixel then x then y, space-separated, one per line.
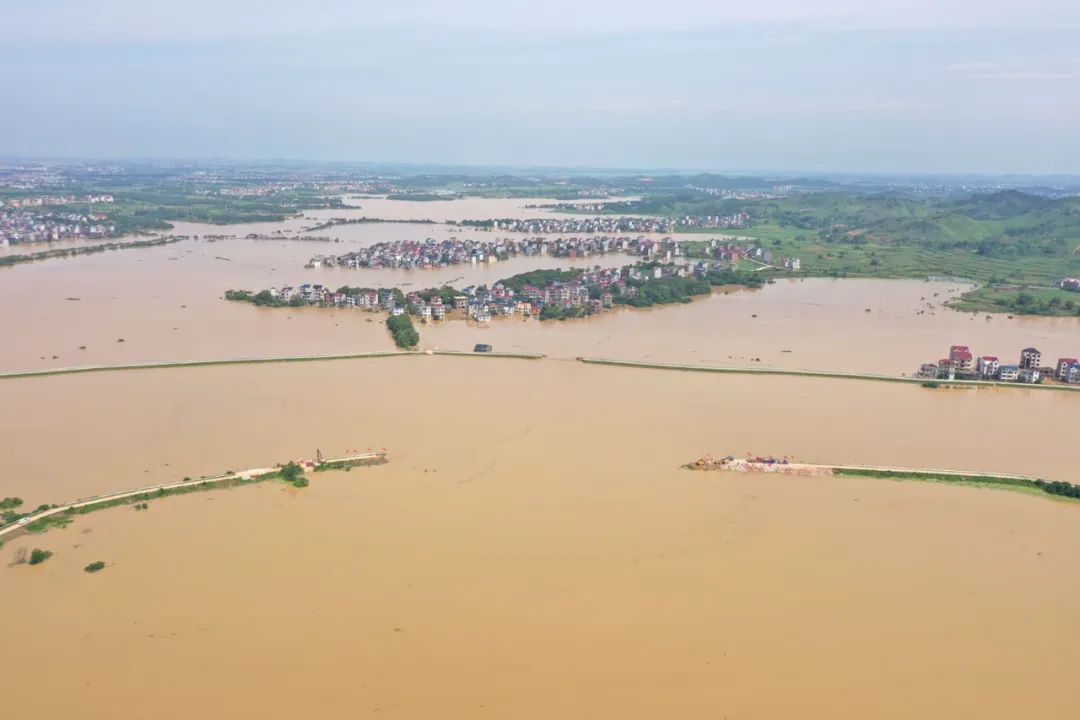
pixel 252 361
pixel 290 473
pixel 1007 482
pixel 200 363
pixel 821 374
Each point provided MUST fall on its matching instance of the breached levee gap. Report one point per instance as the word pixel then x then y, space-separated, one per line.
pixel 832 374
pixel 293 472
pixel 786 466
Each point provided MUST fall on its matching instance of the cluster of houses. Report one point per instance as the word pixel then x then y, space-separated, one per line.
pixel 592 290
pixel 717 222
pixel 734 253
pixel 1070 284
pixel 431 253
pixel 777 191
pixel 23 226
pixel 46 200
pixel 962 365
pixel 608 224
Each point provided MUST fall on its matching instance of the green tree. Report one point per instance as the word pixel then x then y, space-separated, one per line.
pixel 402 330
pixel 38 556
pixel 292 471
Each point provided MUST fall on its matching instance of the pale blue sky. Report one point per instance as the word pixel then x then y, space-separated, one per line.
pixel 888 86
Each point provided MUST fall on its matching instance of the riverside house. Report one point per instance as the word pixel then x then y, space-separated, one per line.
pixel 958 366
pixel 1063 366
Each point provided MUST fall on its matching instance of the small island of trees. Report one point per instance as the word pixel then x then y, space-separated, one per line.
pixel 402 329
pixel 38 556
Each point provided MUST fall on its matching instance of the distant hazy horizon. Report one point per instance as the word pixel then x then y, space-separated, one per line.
pixel 903 87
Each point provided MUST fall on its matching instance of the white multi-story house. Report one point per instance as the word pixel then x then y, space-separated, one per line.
pixel 987 366
pixel 1008 373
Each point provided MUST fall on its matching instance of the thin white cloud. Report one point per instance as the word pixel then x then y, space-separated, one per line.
pixel 1068 70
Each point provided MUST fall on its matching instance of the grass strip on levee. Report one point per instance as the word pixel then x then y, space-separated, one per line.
pixel 47 517
pixel 834 374
pixel 1019 483
pixel 46 372
pixel 201 363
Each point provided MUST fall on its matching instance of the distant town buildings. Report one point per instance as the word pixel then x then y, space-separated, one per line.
pixel 27 226
pixel 47 200
pixel 609 223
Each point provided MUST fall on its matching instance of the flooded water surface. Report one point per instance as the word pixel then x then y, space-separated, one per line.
pixel 533 548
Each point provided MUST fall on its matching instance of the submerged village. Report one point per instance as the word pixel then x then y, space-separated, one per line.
pixel 431 253
pixel 544 294
pixel 665 273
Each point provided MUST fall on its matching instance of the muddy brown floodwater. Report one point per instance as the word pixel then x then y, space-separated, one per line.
pixel 533 549
pixel 165 303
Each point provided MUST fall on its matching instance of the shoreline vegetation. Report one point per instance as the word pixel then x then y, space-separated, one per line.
pixel 11 260
pixel 1008 242
pixel 1019 300
pixel 1056 488
pixel 642 284
pixel 1001 481
pixel 46 517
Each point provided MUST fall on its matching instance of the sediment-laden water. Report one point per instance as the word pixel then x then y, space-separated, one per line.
pixel 532 550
